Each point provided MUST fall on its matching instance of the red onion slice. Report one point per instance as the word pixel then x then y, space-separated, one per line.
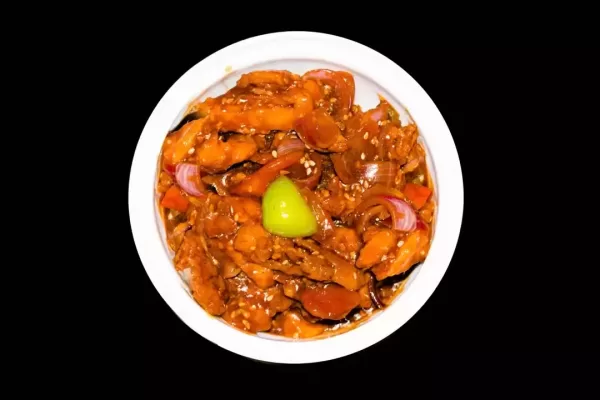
pixel 404 219
pixel 188 178
pixel 383 172
pixel 377 114
pixel 402 215
pixel 289 146
pixel 342 82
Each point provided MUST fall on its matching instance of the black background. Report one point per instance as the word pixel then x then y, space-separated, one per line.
pixel 496 308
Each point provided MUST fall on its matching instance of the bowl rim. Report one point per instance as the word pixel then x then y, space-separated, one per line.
pixel 443 158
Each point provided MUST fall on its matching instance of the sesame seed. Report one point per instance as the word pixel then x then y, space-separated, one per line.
pixel 252 130
pixel 242 304
pixel 366 184
pixel 366 136
pixel 270 298
pixel 274 153
pixel 252 248
pixel 236 217
pixel 231 241
pixel 347 196
pixel 353 255
pixel 305 145
pixel 315 253
pixel 312 163
pixel 306 164
pixel 400 243
pixel 379 123
pixel 362 156
pixel 389 154
pixel 345 117
pixel 296 335
pixel 246 314
pixel 383 258
pixel 191 151
pixel 170 216
pixel 246 324
pixel 387 137
pixel 302 160
pixel 285 262
pixel 308 171
pixel 253 307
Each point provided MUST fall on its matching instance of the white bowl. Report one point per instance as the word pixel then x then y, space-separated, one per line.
pixel 298 52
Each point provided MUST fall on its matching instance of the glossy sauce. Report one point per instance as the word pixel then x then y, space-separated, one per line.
pixel 301 288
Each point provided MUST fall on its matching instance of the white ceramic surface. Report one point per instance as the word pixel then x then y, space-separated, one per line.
pixel 297 52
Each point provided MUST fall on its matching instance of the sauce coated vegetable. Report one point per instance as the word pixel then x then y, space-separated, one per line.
pixel 289 209
pixel 285 212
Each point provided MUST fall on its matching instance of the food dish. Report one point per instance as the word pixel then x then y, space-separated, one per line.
pixel 290 209
pixel 297 52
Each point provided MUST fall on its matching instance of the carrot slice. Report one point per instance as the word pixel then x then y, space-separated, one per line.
pixel 417 194
pixel 173 199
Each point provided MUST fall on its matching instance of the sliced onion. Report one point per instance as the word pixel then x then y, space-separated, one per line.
pixel 313 179
pixel 403 216
pixel 342 82
pixel 324 221
pixel 374 212
pixel 188 178
pixel 344 171
pixel 289 145
pixel 379 189
pixel 377 114
pixel 318 130
pixel 383 172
